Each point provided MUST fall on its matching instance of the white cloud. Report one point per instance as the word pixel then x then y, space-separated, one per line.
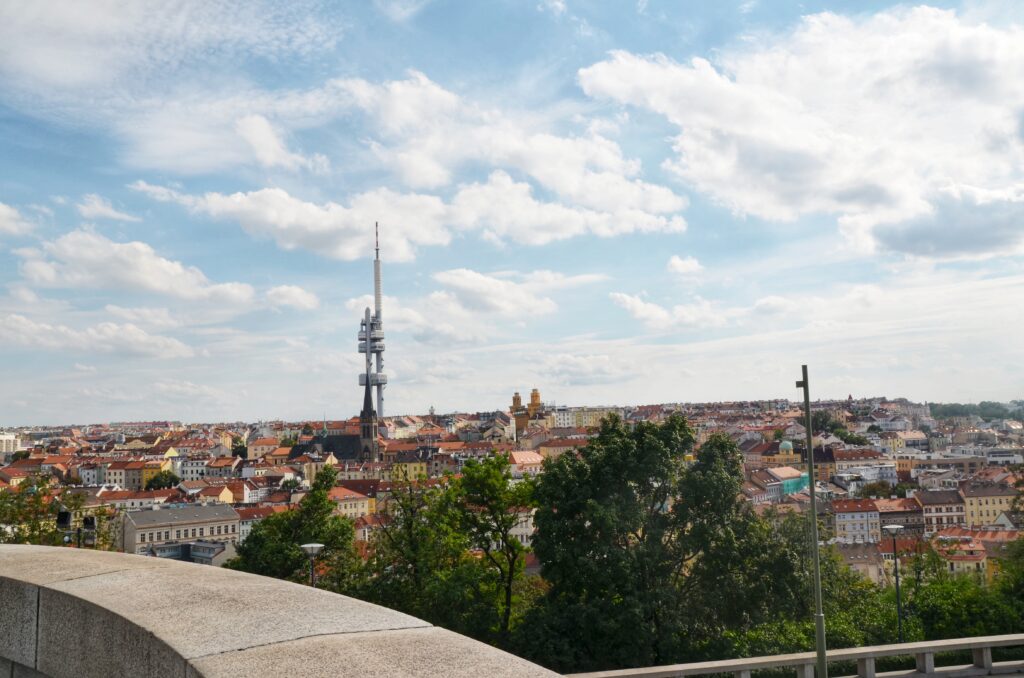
pixel 587 369
pixel 85 369
pixel 427 132
pixel 154 317
pixel 510 294
pixel 12 222
pixel 472 306
pixel 331 229
pixel 65 46
pixel 684 267
pixel 400 10
pixel 884 121
pixel 187 390
pixel 87 259
pixel 506 210
pixel 125 339
pixel 500 209
pixel 556 7
pixel 97 207
pixel 270 149
pixel 650 314
pixel 291 295
pixel 700 314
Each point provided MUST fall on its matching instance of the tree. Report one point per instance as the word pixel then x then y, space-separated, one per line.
pixel 18 456
pixel 291 485
pixel 878 488
pixel 239 448
pixel 420 563
pixel 491 508
pixel 162 481
pixel 272 548
pixel 649 558
pixel 820 421
pixel 28 514
pixel 289 441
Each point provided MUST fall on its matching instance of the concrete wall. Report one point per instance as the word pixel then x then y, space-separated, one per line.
pixel 69 613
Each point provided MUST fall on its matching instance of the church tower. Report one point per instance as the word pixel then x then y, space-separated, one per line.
pixel 369 442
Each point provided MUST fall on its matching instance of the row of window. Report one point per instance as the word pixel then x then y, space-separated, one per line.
pixel 214 530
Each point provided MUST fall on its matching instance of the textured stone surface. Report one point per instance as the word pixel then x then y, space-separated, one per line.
pixel 19 671
pixel 411 652
pixel 200 610
pixel 17 620
pixel 105 614
pixel 102 643
pixel 46 564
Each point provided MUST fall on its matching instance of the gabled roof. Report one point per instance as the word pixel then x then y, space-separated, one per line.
pixel 853 505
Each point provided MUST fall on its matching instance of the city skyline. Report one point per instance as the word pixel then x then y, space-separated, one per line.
pixel 618 205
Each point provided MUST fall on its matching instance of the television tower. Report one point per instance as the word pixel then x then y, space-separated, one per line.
pixel 371 336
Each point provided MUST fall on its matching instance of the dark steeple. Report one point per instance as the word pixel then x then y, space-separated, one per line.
pixel 368 428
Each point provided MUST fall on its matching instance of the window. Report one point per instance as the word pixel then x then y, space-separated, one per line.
pixel 201 529
pixel 193 531
pixel 177 534
pixel 142 537
pixel 218 529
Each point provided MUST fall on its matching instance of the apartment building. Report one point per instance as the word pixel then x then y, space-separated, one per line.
pixel 143 531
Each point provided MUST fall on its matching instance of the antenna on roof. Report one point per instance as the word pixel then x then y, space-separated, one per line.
pixel 376 238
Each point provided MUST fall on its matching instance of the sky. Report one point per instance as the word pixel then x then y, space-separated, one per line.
pixel 612 202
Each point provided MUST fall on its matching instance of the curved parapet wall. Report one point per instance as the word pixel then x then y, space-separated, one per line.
pixel 69 613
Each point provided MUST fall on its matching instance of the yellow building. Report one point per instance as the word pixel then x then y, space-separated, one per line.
pixel 962 555
pixel 152 468
pixel 408 469
pixel 350 503
pixel 984 502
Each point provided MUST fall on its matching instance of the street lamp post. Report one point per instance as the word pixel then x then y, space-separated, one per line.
pixel 893 530
pixel 819 615
pixel 312 550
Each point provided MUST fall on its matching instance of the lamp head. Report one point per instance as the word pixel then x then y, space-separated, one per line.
pixel 893 530
pixel 312 550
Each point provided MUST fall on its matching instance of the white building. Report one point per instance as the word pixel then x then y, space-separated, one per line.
pixel 857 521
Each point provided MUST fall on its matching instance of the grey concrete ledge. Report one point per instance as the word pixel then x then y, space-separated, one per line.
pixel 69 613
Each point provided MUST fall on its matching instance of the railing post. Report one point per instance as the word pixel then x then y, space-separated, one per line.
pixel 805 671
pixel 866 667
pixel 983 657
pixel 925 662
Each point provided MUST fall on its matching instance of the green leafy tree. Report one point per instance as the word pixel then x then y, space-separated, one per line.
pixel 162 481
pixel 18 456
pixel 491 508
pixel 878 488
pixel 420 563
pixel 961 606
pixel 291 485
pixel 273 546
pixel 289 441
pixel 821 421
pixel 239 448
pixel 648 558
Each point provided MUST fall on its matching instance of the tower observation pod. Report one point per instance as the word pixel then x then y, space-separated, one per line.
pixel 371 336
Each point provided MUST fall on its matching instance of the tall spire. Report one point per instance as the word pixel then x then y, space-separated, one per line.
pixel 371 333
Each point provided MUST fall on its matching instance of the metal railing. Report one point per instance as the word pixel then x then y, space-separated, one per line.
pixel 865 658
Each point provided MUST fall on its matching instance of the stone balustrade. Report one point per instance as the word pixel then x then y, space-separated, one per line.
pixel 70 613
pixel 865 657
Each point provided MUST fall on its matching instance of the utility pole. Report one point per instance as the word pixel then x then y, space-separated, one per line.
pixel 819 615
